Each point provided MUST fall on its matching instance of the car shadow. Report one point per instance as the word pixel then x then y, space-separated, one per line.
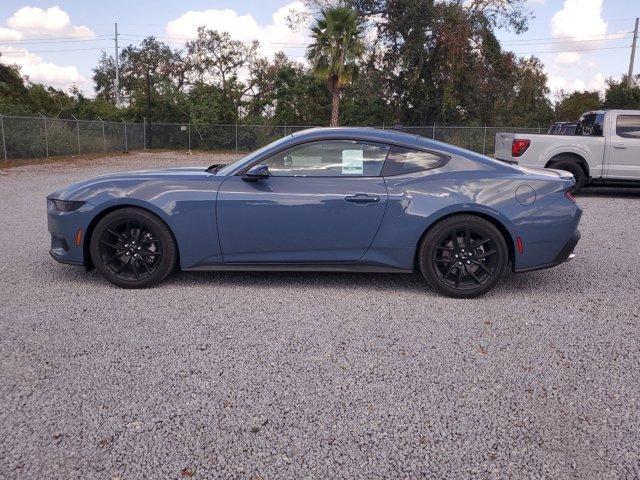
pixel 382 282
pixel 614 192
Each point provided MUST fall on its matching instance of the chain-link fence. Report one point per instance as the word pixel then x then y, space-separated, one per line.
pixel 29 138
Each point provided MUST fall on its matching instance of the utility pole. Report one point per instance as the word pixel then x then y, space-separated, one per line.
pixel 149 84
pixel 633 54
pixel 117 69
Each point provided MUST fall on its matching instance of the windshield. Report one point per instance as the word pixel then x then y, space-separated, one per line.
pixel 248 158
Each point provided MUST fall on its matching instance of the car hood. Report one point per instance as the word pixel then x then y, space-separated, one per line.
pixel 123 184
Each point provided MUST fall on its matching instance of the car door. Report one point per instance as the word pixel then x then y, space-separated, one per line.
pixel 624 148
pixel 322 203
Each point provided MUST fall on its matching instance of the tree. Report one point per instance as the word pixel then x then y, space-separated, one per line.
pixel 337 46
pixel 216 58
pixel 570 106
pixel 152 58
pixel 621 95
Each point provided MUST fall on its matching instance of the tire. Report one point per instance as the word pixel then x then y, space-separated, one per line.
pixel 133 248
pixel 475 270
pixel 573 167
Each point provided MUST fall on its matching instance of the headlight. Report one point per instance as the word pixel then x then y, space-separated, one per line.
pixel 66 205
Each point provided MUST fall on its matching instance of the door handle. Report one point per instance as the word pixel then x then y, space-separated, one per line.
pixel 362 198
pixel 619 145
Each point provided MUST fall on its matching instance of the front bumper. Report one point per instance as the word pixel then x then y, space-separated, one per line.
pixel 67 245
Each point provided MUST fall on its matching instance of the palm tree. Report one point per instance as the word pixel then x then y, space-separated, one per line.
pixel 337 45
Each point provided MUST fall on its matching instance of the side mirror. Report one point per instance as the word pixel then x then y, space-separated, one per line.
pixel 257 172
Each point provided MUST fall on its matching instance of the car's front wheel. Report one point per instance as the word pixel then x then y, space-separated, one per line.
pixel 463 256
pixel 133 248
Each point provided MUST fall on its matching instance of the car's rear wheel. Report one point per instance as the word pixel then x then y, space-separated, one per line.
pixel 463 256
pixel 133 248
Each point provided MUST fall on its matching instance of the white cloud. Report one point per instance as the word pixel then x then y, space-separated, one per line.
pixel 8 34
pixel 34 21
pixel 568 58
pixel 273 37
pixel 579 19
pixel 578 28
pixel 559 82
pixel 39 71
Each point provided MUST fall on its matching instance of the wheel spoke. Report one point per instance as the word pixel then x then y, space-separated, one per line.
pixel 449 271
pixel 134 267
pixel 145 266
pixel 115 255
pixel 467 238
pixel 117 235
pixel 474 276
pixel 149 254
pixel 121 267
pixel 485 254
pixel 482 267
pixel 456 244
pixel 459 277
pixel 109 244
pixel 480 242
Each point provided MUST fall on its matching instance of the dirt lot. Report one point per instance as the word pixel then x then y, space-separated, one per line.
pixel 302 375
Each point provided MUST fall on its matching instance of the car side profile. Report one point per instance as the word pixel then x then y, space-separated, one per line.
pixel 332 199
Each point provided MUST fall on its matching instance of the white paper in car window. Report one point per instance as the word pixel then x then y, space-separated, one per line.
pixel 352 162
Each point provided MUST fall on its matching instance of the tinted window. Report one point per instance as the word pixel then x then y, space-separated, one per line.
pixel 590 125
pixel 628 126
pixel 329 158
pixel 405 160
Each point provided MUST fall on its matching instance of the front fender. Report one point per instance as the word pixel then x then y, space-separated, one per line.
pixel 188 209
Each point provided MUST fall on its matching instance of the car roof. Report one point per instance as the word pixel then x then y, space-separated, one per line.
pixel 361 133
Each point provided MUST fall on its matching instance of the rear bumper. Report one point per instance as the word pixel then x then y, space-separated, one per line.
pixel 566 254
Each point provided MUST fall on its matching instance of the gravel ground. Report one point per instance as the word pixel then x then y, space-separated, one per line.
pixel 302 375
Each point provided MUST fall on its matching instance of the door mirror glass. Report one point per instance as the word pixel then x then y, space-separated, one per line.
pixel 257 172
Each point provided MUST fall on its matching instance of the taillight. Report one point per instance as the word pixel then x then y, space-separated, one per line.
pixel 519 146
pixel 569 196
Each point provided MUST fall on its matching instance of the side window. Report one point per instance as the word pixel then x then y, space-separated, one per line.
pixel 628 126
pixel 405 160
pixel 590 125
pixel 329 158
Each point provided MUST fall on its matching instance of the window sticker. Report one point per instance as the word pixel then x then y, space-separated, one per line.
pixel 352 162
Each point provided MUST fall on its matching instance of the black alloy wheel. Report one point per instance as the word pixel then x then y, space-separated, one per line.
pixel 463 256
pixel 133 248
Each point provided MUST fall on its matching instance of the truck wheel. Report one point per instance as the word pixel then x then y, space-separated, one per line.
pixel 573 168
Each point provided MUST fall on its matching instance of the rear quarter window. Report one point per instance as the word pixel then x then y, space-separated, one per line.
pixel 401 161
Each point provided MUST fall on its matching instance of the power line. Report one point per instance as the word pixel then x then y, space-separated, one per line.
pixel 570 51
pixel 588 37
pixel 55 39
pixel 51 51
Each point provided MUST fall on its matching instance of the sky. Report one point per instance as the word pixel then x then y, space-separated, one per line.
pixel 581 42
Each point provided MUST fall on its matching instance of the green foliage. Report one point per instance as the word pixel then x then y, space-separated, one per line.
pixel 570 106
pixel 621 95
pixel 423 62
pixel 336 48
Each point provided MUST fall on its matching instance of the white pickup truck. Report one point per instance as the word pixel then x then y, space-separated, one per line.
pixel 604 148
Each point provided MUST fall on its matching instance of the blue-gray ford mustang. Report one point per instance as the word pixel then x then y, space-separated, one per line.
pixel 341 199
